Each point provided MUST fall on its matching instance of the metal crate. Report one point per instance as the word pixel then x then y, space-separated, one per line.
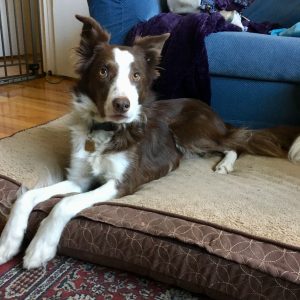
pixel 20 40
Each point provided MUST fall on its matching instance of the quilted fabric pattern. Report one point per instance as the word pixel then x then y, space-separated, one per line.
pixel 199 257
pixel 266 257
pixel 8 191
pixel 177 263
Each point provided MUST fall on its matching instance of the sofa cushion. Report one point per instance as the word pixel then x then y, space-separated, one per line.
pixel 254 56
pixel 118 17
pixel 286 13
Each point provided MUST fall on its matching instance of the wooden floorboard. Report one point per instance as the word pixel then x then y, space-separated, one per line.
pixel 31 103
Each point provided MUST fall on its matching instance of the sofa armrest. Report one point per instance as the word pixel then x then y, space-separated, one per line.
pixel 254 56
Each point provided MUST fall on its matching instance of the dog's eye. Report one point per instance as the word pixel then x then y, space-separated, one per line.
pixel 103 72
pixel 136 76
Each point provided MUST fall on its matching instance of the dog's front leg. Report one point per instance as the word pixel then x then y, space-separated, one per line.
pixel 43 246
pixel 13 233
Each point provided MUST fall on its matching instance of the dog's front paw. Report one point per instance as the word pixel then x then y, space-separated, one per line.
pixel 38 253
pixel 9 247
pixel 6 254
pixel 224 168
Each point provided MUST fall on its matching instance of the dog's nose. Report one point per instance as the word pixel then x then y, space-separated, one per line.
pixel 121 105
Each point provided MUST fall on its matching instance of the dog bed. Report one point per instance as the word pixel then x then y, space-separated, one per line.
pixel 230 237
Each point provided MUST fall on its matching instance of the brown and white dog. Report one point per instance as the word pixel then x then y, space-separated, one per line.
pixel 122 138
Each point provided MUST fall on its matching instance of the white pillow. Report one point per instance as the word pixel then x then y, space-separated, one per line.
pixel 184 6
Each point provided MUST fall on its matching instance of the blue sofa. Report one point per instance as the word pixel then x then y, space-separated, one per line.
pixel 255 78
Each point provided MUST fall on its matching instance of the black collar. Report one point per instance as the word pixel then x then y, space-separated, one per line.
pixel 106 126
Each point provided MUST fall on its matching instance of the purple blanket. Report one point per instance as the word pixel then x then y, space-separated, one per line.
pixel 184 59
pixel 184 64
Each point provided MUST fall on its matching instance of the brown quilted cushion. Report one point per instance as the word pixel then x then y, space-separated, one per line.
pixel 197 256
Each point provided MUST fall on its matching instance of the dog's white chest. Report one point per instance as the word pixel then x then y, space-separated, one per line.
pixel 112 165
pixel 107 166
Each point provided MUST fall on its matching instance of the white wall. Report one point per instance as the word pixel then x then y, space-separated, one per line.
pixel 66 33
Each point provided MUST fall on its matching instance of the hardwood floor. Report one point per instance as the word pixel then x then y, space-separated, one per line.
pixel 27 104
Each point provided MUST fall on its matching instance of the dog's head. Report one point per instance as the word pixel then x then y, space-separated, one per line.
pixel 114 80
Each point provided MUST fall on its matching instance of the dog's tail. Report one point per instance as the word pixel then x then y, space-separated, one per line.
pixel 275 142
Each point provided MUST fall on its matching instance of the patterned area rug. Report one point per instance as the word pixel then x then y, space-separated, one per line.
pixel 67 278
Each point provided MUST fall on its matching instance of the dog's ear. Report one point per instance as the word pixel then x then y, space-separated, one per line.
pixel 92 34
pixel 152 46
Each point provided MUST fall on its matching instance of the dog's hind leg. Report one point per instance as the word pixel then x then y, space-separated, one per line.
pixel 225 166
pixel 43 246
pixel 13 233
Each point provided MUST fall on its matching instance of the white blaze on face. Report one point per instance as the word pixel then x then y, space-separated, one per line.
pixel 122 86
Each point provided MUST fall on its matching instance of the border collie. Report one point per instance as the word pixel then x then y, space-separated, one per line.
pixel 123 139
